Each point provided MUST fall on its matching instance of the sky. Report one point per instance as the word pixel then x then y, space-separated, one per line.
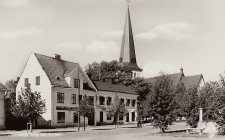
pixel 168 34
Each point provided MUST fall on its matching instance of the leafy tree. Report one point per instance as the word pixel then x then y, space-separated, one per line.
pixel 117 109
pixel 29 105
pixel 86 108
pixel 180 92
pixel 106 70
pixel 11 86
pixel 191 106
pixel 160 103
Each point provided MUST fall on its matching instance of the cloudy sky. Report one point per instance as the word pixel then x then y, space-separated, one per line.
pixel 168 34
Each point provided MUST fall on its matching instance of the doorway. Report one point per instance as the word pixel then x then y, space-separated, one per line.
pixel 101 116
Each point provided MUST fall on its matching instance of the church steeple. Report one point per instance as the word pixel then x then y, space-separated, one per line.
pixel 127 53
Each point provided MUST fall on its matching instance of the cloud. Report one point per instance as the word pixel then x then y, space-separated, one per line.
pixel 149 35
pixel 69 45
pixel 20 33
pixel 15 3
pixel 112 34
pixel 171 31
pixel 103 47
pixel 154 69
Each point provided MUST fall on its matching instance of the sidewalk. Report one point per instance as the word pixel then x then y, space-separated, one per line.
pixel 63 130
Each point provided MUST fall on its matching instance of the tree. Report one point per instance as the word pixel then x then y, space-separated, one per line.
pixel 160 103
pixel 86 108
pixel 11 86
pixel 180 92
pixel 117 109
pixel 191 106
pixel 29 105
pixel 106 70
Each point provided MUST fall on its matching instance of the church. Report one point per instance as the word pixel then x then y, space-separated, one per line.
pixel 128 58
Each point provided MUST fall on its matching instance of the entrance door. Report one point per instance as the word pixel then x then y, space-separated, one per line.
pixel 133 116
pixel 91 120
pixel 127 117
pixel 101 116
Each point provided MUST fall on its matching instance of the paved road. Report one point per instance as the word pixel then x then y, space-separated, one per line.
pixel 125 132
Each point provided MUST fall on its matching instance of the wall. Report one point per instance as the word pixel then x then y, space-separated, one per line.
pixel 104 107
pixel 2 109
pixel 31 70
pixel 67 103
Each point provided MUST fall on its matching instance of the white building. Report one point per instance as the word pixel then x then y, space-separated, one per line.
pixel 2 106
pixel 57 81
pixel 106 94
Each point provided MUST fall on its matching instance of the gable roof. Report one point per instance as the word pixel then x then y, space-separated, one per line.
pixel 174 77
pixel 104 86
pixel 57 69
pixel 2 87
pixel 189 81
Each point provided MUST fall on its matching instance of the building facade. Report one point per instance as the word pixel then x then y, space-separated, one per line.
pixel 62 84
pixel 58 83
pixel 2 106
pixel 106 94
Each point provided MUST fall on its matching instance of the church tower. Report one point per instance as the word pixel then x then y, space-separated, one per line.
pixel 127 52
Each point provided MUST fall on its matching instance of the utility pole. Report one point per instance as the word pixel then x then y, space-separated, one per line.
pixel 78 99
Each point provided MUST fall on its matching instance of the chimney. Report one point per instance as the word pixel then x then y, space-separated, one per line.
pixel 181 71
pixel 57 56
pixel 111 80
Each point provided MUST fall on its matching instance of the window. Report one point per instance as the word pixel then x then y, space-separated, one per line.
pixel 73 98
pixel 109 100
pixel 26 82
pixel 91 99
pixel 38 80
pixel 122 101
pixel 128 102
pixel 76 83
pixel 121 118
pixel 75 118
pixel 60 117
pixel 134 75
pixel 133 103
pixel 80 98
pixel 109 117
pixel 60 97
pixel 101 100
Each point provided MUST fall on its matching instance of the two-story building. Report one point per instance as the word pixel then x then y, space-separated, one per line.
pixel 106 93
pixel 62 84
pixel 58 82
pixel 2 106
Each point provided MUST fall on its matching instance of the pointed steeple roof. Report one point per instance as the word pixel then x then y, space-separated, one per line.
pixel 127 53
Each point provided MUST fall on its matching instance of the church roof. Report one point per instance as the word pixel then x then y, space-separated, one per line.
pixel 189 81
pixel 132 66
pixel 2 87
pixel 127 52
pixel 104 86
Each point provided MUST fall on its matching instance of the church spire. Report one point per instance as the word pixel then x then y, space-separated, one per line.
pixel 127 52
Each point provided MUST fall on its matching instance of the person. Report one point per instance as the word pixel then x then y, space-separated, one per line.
pixel 138 121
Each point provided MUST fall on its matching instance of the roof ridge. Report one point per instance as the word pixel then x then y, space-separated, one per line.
pixel 54 58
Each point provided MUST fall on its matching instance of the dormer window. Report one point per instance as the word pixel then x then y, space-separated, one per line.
pixel 76 83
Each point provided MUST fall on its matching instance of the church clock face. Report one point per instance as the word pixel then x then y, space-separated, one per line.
pixel 133 60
